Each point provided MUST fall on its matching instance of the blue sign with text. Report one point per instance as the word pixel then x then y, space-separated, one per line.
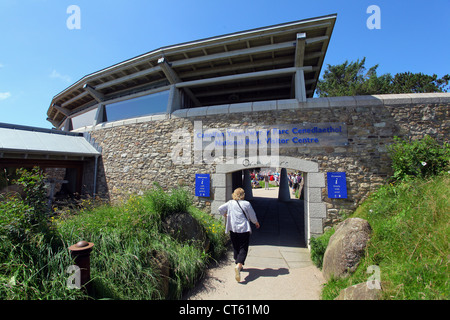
pixel 202 183
pixel 337 185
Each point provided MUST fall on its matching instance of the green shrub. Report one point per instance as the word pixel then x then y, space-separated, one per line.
pixel 319 246
pixel 32 260
pixel 418 158
pixel 13 218
pixel 20 218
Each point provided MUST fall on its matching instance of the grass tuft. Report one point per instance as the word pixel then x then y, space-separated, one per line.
pixel 409 242
pixel 126 238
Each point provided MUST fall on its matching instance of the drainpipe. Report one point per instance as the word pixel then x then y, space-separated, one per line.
pixel 95 177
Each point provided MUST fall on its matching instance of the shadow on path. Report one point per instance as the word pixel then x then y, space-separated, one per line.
pixel 254 274
pixel 282 223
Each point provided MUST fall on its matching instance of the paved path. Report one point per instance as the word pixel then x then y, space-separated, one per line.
pixel 278 266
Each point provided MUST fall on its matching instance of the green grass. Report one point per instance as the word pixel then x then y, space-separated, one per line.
pixel 34 271
pixel 409 241
pixel 263 185
pixel 123 266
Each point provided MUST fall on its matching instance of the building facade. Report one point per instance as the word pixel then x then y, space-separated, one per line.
pixel 226 105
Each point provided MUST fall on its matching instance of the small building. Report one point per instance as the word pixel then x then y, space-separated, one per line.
pixel 65 157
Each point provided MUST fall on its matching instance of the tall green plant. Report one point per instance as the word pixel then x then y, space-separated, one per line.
pixel 33 184
pixel 23 217
pixel 165 203
pixel 418 158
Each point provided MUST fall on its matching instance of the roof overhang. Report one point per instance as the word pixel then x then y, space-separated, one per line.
pixel 30 142
pixel 245 66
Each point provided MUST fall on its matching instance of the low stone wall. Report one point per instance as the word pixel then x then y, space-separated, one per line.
pixel 137 152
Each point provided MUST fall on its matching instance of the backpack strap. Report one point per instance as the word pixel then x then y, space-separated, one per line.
pixel 242 210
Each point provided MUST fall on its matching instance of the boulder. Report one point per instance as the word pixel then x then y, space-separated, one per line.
pixel 345 248
pixel 184 228
pixel 360 291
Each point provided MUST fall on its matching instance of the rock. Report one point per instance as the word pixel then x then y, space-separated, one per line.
pixel 184 228
pixel 360 291
pixel 345 248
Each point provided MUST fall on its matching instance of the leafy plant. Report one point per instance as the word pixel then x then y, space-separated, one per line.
pixel 33 183
pixel 15 218
pixel 21 218
pixel 418 158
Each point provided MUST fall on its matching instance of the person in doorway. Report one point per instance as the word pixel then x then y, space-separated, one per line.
pixel 238 214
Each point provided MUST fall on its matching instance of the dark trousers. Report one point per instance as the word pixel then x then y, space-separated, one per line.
pixel 240 243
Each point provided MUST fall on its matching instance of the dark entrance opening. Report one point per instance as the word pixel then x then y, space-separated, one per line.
pixel 282 222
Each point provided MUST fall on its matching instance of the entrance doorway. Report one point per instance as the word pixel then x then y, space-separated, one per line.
pixel 311 210
pixel 281 216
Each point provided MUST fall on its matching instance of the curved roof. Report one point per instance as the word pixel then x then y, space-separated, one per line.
pixel 251 65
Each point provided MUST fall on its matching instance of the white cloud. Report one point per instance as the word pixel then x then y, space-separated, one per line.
pixel 5 95
pixel 57 75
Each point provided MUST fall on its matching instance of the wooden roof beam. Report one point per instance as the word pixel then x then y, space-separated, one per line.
pixel 53 122
pixel 100 97
pixel 81 95
pixel 173 78
pixel 300 50
pixel 242 76
pixel 170 74
pixel 64 111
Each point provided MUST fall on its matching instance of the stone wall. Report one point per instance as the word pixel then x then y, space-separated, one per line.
pixel 137 152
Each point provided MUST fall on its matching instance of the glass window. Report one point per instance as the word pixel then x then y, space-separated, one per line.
pixel 150 104
pixel 85 119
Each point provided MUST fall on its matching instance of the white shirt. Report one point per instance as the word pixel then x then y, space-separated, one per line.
pixel 236 220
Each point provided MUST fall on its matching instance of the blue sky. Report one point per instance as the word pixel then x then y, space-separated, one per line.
pixel 40 56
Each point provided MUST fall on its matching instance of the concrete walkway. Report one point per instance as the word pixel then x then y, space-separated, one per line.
pixel 278 266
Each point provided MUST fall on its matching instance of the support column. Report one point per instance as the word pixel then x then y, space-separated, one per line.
pixel 300 90
pixel 314 182
pixel 174 102
pixel 100 116
pixel 283 190
pixel 68 125
pixel 248 185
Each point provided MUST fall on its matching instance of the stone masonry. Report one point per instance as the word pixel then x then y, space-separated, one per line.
pixel 137 152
